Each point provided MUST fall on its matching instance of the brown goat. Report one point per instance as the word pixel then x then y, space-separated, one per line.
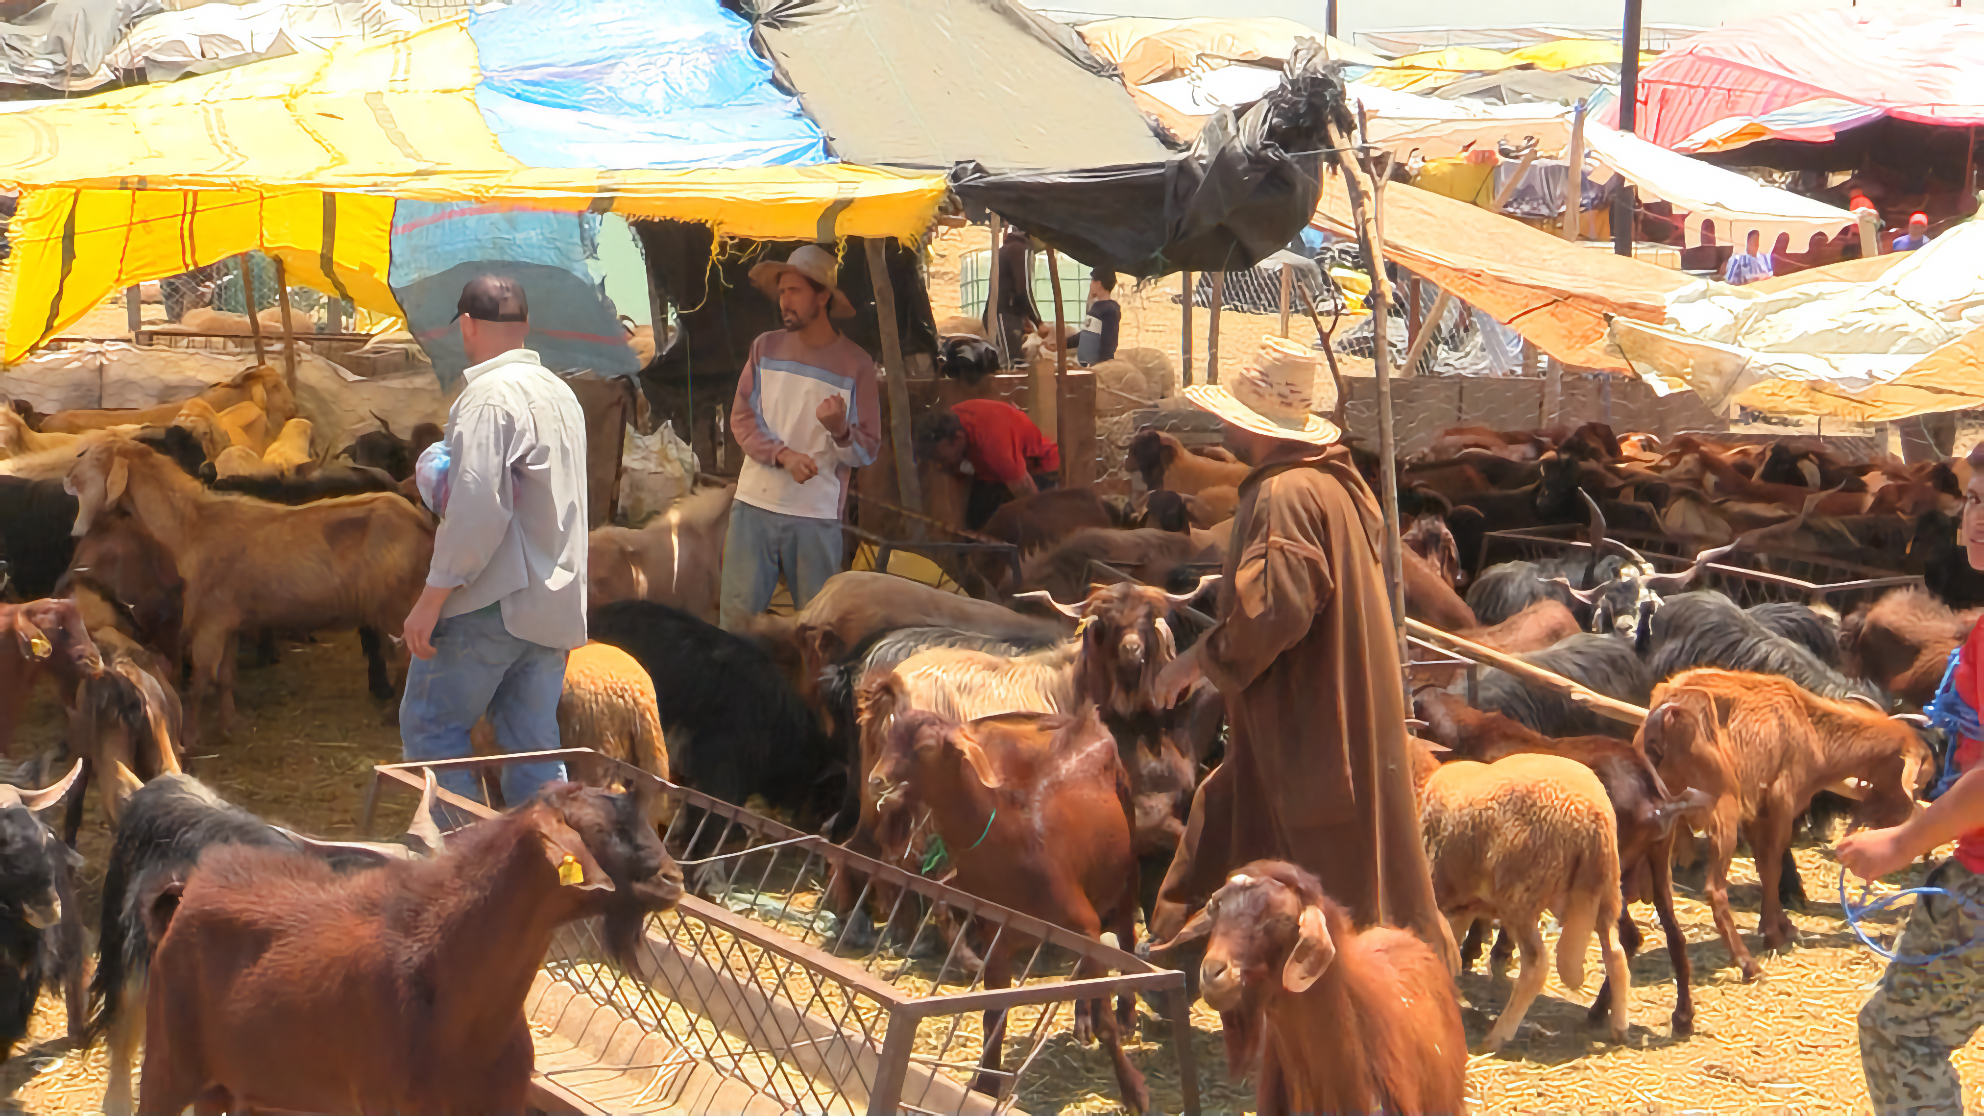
pixel 1036 522
pixel 1049 838
pixel 1903 641
pixel 356 561
pixel 262 385
pixel 280 983
pixel 1163 462
pixel 1146 554
pixel 677 559
pixel 1760 747
pixel 123 562
pixel 1539 625
pixel 1512 839
pixel 1342 1019
pixel 856 604
pixel 1641 804
pixel 48 637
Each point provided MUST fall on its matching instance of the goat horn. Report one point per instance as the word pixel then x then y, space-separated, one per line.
pixel 42 799
pixel 1598 539
pixel 1671 583
pixel 1915 719
pixel 1584 596
pixel 423 827
pixel 1186 598
pixel 381 851
pixel 1072 612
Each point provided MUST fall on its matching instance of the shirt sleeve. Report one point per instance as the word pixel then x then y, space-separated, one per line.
pixel 1280 583
pixel 864 422
pixel 481 445
pixel 746 424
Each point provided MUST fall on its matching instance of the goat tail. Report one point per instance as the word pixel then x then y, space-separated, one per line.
pixel 1580 921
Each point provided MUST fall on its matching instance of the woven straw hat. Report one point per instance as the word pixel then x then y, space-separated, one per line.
pixel 815 263
pixel 1275 395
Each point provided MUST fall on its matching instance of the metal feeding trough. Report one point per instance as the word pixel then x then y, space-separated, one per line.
pixel 753 996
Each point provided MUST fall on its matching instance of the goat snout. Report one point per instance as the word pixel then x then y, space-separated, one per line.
pixel 886 792
pixel 44 913
pixel 1219 983
pixel 1130 652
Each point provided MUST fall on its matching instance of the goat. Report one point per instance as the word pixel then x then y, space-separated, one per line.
pixel 1815 631
pixel 1706 629
pixel 409 995
pixel 1760 747
pixel 35 516
pixel 384 450
pixel 734 726
pixel 1036 522
pixel 1061 853
pixel 1430 597
pixel 290 450
pixel 1902 643
pixel 1605 664
pixel 175 443
pixel 1641 804
pixel 1341 1019
pixel 1148 555
pixel 354 562
pixel 323 483
pixel 49 638
pixel 263 385
pixel 856 604
pixel 1512 839
pixel 676 560
pixel 1163 462
pixel 125 727
pixel 17 437
pixel 41 929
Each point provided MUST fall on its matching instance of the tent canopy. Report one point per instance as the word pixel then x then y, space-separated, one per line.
pixel 1903 340
pixel 1926 66
pixel 1146 50
pixel 1736 204
pixel 649 108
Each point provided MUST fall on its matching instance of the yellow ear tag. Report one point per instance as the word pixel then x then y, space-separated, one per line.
pixel 40 647
pixel 569 873
pixel 1081 625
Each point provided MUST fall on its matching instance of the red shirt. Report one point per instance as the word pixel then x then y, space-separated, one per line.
pixel 1969 675
pixel 1002 444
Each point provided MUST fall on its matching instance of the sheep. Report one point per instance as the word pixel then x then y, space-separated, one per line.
pixel 262 385
pixel 359 561
pixel 290 450
pixel 1342 1019
pixel 18 438
pixel 1512 839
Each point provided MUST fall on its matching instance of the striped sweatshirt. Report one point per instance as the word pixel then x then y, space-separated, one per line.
pixel 778 397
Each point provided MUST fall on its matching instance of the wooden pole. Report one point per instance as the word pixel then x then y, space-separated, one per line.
pixel 1187 364
pixel 1060 364
pixel 134 309
pixel 1328 338
pixel 1287 295
pixel 908 488
pixel 1365 212
pixel 288 332
pixel 994 321
pixel 1624 201
pixel 1590 699
pixel 1574 180
pixel 1212 327
pixel 254 322
pixel 1553 392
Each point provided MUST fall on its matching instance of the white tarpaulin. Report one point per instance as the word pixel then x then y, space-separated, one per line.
pixel 1407 122
pixel 217 36
pixel 1737 204
pixel 1904 344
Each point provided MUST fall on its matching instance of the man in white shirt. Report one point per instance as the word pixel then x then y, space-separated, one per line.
pixel 506 591
pixel 806 414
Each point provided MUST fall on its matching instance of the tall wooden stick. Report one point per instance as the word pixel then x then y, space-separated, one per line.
pixel 254 322
pixel 996 321
pixel 1212 327
pixel 1590 699
pixel 1187 365
pixel 288 332
pixel 1060 363
pixel 908 487
pixel 1287 291
pixel 1574 180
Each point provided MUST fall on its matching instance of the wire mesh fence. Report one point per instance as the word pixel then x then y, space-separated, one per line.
pixel 770 988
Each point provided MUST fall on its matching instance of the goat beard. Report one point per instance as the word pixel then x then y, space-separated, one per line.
pixel 620 929
pixel 1242 1030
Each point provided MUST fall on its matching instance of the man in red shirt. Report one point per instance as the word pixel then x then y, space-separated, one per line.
pixel 1925 1009
pixel 1006 453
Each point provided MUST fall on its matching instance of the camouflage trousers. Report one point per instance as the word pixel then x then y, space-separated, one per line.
pixel 1922 1013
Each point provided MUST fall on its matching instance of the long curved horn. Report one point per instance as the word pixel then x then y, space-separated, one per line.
pixel 423 828
pixel 1584 596
pixel 383 852
pixel 42 799
pixel 1072 612
pixel 1598 539
pixel 1187 598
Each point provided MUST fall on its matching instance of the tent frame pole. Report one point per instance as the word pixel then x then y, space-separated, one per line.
pixel 1212 327
pixel 995 322
pixel 1626 200
pixel 1187 330
pixel 1060 364
pixel 909 486
pixel 248 301
pixel 288 330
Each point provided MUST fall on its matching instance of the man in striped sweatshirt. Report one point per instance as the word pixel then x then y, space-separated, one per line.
pixel 806 414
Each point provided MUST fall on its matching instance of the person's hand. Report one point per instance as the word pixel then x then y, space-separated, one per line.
pixel 802 467
pixel 418 630
pixel 1873 853
pixel 1177 678
pixel 832 414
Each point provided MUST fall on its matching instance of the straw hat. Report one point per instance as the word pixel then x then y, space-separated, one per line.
pixel 1275 395
pixel 815 263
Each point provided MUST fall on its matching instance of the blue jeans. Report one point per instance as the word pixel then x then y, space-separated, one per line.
pixel 479 667
pixel 760 544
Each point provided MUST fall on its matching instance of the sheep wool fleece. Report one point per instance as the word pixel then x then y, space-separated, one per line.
pixel 1923 1012
pixel 1317 771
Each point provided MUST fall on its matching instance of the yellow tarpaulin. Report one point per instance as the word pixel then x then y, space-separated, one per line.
pixel 143 183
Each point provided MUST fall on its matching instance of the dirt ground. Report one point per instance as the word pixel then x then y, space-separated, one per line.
pixel 309 735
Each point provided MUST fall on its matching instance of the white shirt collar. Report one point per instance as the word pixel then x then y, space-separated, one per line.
pixel 514 356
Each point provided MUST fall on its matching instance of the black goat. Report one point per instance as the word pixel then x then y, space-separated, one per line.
pixel 968 359
pixel 734 725
pixel 1706 629
pixel 1605 664
pixel 883 651
pixel 1554 498
pixel 41 928
pixel 1814 631
pixel 176 443
pixel 36 517
pixel 322 484
pixel 1946 572
pixel 1506 588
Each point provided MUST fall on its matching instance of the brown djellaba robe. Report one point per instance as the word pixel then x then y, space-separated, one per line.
pixel 1316 772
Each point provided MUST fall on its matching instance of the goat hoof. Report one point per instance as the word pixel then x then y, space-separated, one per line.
pixel 1684 1025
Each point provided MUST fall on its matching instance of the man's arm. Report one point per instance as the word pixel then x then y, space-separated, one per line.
pixel 760 445
pixel 1280 583
pixel 1025 486
pixel 480 445
pixel 1873 853
pixel 860 434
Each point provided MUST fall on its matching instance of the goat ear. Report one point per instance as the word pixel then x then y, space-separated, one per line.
pixel 1072 612
pixel 423 827
pixel 120 475
pixel 1312 954
pixel 568 854
pixel 980 763
pixel 34 644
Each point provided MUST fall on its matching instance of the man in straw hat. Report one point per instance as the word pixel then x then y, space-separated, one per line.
pixel 1305 655
pixel 805 413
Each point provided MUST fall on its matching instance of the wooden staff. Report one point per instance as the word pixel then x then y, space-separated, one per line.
pixel 1212 327
pixel 1589 698
pixel 1187 365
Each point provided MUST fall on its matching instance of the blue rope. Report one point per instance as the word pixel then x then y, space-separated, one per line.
pixel 1854 914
